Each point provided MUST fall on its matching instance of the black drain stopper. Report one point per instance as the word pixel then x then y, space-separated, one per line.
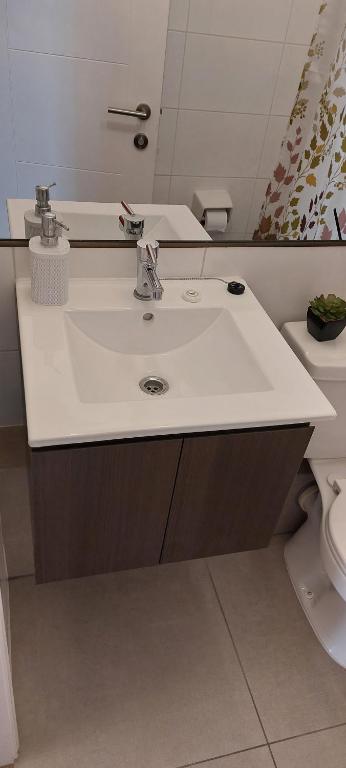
pixel 236 288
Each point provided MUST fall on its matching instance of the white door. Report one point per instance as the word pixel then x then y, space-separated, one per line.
pixel 69 61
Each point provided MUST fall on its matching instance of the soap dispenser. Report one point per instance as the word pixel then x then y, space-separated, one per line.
pixel 49 262
pixel 32 218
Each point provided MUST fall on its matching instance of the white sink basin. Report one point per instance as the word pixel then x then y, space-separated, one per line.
pixel 100 221
pixel 198 353
pixel 102 226
pixel 225 364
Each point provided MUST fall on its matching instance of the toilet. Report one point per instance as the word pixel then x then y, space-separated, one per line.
pixel 316 555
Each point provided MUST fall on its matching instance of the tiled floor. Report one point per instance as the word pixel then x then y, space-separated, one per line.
pixel 193 663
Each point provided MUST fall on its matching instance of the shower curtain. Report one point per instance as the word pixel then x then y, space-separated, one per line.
pixel 309 180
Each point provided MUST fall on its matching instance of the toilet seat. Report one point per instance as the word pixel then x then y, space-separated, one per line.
pixel 336 522
pixel 332 533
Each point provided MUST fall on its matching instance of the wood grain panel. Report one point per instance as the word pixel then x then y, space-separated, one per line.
pixel 100 508
pixel 230 490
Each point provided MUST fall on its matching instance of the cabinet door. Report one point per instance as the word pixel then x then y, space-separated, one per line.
pixel 101 508
pixel 230 490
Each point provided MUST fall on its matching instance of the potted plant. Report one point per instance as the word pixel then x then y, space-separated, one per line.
pixel 326 317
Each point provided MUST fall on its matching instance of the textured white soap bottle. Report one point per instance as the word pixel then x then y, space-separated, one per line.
pixel 49 263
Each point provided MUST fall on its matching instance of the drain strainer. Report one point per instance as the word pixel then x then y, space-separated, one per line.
pixel 154 385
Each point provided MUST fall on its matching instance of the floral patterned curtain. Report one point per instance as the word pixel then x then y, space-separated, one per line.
pixel 310 178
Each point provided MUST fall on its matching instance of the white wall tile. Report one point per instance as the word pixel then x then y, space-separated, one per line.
pixel 240 190
pixel 72 28
pixel 218 144
pixel 293 60
pixel 117 262
pixel 283 279
pixel 166 140
pixel 275 133
pixel 8 312
pixel 302 22
pixel 178 14
pixel 161 189
pixel 73 184
pixel 11 399
pixel 180 262
pixel 173 68
pixel 229 74
pixel 8 183
pixel 257 19
pixel 120 262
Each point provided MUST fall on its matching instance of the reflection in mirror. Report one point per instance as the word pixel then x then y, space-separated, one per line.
pixel 233 129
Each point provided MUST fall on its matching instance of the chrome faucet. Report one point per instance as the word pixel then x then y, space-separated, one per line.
pixel 148 283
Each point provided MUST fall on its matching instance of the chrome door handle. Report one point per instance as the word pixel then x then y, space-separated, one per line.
pixel 142 112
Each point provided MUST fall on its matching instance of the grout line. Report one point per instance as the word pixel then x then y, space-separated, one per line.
pixel 241 37
pixel 178 109
pixel 220 757
pixel 236 650
pixel 272 756
pixel 67 56
pixel 308 733
pixel 197 176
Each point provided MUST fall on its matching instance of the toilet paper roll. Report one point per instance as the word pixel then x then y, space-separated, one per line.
pixel 215 221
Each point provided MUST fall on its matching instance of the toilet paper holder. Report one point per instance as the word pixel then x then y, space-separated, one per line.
pixel 211 200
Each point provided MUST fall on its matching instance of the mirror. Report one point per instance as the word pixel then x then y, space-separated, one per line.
pixel 188 106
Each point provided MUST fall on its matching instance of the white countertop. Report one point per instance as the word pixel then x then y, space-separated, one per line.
pixel 57 414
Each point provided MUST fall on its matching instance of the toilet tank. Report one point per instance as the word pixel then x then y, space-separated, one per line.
pixel 326 363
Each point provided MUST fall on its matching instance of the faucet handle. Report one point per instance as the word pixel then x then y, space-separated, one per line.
pixel 148 250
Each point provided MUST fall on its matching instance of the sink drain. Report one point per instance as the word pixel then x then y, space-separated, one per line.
pixel 154 385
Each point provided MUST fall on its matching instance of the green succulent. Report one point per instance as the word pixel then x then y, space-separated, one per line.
pixel 329 307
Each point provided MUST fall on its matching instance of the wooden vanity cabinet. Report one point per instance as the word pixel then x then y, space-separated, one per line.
pixel 101 507
pixel 104 507
pixel 230 491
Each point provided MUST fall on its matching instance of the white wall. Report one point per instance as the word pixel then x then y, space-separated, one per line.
pixel 231 75
pixel 8 179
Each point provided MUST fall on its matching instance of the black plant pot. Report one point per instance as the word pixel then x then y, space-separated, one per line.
pixel 322 330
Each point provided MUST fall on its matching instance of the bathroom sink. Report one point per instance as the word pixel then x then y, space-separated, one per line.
pixel 108 366
pixel 100 221
pixel 103 226
pixel 193 352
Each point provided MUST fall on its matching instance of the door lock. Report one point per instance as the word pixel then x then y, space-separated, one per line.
pixel 141 141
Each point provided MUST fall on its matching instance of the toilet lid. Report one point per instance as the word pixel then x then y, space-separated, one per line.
pixel 336 521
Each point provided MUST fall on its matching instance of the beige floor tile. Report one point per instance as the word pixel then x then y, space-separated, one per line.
pixel 255 758
pixel 296 686
pixel 326 749
pixel 129 669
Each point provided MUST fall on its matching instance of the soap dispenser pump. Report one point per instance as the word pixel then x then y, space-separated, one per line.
pixel 49 262
pixel 33 218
